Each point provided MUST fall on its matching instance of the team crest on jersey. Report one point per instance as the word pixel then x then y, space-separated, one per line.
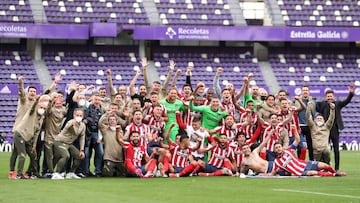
pixel 176 106
pixel 219 157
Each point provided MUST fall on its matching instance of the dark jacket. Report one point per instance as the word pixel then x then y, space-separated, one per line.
pixel 323 108
pixel 92 115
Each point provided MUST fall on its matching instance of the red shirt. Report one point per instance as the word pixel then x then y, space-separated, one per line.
pixel 135 153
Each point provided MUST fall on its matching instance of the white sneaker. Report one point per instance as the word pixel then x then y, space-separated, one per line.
pixel 158 173
pixel 57 176
pixel 149 175
pixel 72 176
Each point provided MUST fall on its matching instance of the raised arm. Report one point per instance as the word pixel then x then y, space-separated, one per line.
pixel 181 124
pixel 296 134
pixel 177 74
pixel 237 106
pixel 144 65
pixel 110 84
pixel 21 90
pixel 247 82
pixel 348 98
pixel 241 92
pixel 308 118
pixel 53 85
pixel 188 77
pixel 302 105
pixel 132 83
pixel 171 70
pixel 289 118
pixel 330 121
pixel 258 149
pixel 216 82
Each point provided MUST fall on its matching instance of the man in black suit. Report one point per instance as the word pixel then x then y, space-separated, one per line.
pixel 323 108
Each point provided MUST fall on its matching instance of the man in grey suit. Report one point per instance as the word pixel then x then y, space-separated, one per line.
pixel 323 108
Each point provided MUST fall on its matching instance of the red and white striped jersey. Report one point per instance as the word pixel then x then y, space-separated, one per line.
pixel 278 128
pixel 230 133
pixel 289 162
pixel 238 155
pixel 135 153
pixel 150 110
pixel 156 127
pixel 189 116
pixel 179 157
pixel 295 121
pixel 143 129
pixel 206 102
pixel 218 155
pixel 249 129
pixel 229 107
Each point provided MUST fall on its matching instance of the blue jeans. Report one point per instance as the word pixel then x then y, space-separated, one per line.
pixel 99 152
pixel 85 163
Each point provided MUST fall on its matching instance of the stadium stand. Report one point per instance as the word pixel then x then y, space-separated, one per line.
pixel 316 68
pixel 14 63
pixel 351 119
pixel 16 11
pixel 194 12
pixel 88 66
pixel 237 62
pixel 89 11
pixel 320 13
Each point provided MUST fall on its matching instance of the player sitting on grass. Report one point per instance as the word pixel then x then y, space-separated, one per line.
pixel 135 155
pixel 219 163
pixel 180 155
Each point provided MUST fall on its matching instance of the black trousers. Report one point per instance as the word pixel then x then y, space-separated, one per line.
pixel 305 130
pixel 334 138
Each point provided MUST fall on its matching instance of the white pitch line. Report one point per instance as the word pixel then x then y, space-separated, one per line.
pixel 317 193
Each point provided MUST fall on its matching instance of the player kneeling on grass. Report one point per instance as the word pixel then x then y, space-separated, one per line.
pixel 287 160
pixel 219 163
pixel 135 154
pixel 64 147
pixel 180 155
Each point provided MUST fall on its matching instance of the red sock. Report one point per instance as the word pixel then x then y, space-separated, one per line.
pixel 303 153
pixel 130 167
pixel 321 173
pixel 196 168
pixel 152 165
pixel 187 169
pixel 166 164
pixel 216 173
pixel 227 164
pixel 263 155
pixel 331 169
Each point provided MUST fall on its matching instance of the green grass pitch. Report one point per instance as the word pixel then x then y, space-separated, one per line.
pixel 189 189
